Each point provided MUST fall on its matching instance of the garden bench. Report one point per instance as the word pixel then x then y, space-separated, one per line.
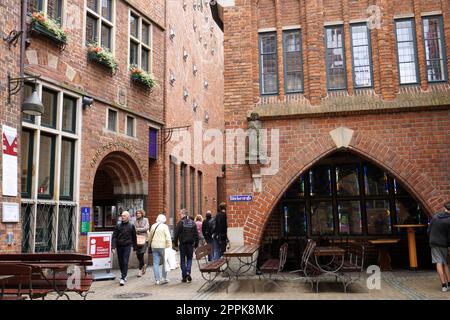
pixel 208 269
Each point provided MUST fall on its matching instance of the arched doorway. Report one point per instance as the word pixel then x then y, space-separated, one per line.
pixel 346 197
pixel 118 186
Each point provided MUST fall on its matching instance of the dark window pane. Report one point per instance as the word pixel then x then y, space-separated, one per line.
pixel 409 211
pixel 133 53
pixel 35 5
pixel 398 189
pixel 91 29
pixel 434 49
pixel 112 120
pixel 106 36
pixel 107 9
pixel 54 9
pixel 130 126
pixel 49 100
pixel 134 26
pixel 192 190
pixel 297 189
pixel 67 168
pixel 199 193
pixel 66 228
pixel 46 166
pixel 69 114
pixel 93 5
pixel 320 181
pixel 145 33
pixel 145 60
pixel 44 228
pixel 375 181
pixel 350 217
pixel 347 180
pixel 322 220
pixel 335 58
pixel 26 150
pixel 294 219
pixel 183 179
pixel 111 216
pixel 378 217
pixel 268 63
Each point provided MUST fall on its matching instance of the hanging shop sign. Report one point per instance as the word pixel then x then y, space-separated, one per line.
pixel 9 148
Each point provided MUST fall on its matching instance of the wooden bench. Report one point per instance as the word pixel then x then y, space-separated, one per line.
pixel 208 269
pixel 41 282
pixel 274 266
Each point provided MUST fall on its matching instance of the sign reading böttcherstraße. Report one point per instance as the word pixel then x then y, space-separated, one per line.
pixel 243 198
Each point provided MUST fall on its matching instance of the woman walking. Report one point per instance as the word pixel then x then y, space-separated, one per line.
pixel 159 240
pixel 142 227
pixel 199 223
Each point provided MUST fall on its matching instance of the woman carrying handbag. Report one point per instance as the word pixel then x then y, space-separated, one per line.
pixel 142 227
pixel 159 241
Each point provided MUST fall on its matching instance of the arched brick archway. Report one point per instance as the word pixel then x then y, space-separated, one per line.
pixel 411 177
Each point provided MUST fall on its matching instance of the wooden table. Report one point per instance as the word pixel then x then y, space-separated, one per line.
pixel 411 229
pixel 384 259
pixel 247 260
pixel 3 281
pixel 335 253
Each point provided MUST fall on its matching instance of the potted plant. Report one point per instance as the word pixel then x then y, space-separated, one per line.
pixel 140 76
pixel 102 56
pixel 48 27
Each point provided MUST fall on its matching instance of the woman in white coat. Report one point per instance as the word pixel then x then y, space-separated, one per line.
pixel 159 240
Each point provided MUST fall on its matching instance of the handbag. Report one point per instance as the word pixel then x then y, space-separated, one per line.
pixel 151 240
pixel 140 240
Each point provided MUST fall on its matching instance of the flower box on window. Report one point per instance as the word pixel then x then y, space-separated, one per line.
pixel 48 28
pixel 142 77
pixel 102 56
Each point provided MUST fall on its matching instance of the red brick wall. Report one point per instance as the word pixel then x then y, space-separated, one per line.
pixel 411 144
pixel 9 113
pixel 198 43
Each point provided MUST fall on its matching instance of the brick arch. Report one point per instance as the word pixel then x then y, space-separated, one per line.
pixel 409 175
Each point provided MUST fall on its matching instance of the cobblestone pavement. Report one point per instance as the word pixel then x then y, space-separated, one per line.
pixel 397 285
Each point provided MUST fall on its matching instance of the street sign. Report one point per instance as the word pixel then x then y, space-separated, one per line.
pixel 85 220
pixel 241 198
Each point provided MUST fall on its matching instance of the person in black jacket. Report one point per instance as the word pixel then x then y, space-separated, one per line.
pixel 439 234
pixel 123 239
pixel 206 230
pixel 186 238
pixel 219 234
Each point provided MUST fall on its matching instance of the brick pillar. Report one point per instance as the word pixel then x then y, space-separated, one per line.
pixel 279 50
pixel 420 48
pixel 387 52
pixel 446 25
pixel 305 38
pixel 348 49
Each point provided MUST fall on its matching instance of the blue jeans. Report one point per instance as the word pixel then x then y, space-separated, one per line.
pixel 123 254
pixel 216 249
pixel 158 255
pixel 186 253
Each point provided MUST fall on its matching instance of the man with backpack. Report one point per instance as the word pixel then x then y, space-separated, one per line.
pixel 186 238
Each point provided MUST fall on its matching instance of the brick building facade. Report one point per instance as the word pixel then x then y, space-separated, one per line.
pixel 352 86
pixel 194 105
pixel 101 154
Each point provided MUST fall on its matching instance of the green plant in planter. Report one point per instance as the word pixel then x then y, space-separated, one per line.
pixel 48 27
pixel 102 56
pixel 143 77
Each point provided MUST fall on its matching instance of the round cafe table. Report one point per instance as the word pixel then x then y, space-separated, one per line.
pixel 411 230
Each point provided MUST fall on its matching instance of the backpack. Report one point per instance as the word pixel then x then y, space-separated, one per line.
pixel 187 232
pixel 212 226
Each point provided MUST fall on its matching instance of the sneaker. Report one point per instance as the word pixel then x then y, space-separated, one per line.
pixel 126 279
pixel 444 289
pixel 183 280
pixel 144 269
pixel 122 282
pixel 164 281
pixel 189 279
pixel 158 282
pixel 139 273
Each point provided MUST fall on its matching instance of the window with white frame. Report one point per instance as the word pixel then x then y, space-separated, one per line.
pixel 292 51
pixel 335 57
pixel 49 178
pixel 111 120
pixel 130 126
pixel 361 55
pixel 140 42
pixel 406 51
pixel 268 63
pixel 52 8
pixel 433 38
pixel 100 23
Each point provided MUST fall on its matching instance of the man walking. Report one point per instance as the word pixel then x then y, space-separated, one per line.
pixel 220 237
pixel 123 239
pixel 186 238
pixel 439 234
